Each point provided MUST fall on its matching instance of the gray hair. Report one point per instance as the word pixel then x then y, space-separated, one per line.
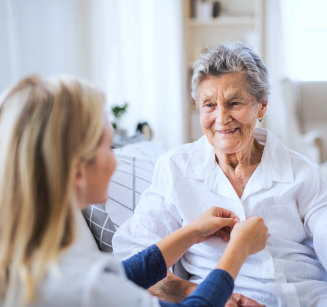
pixel 232 57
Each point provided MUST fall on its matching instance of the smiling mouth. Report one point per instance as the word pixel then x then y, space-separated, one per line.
pixel 230 131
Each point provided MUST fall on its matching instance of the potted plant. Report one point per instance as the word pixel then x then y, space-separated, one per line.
pixel 118 111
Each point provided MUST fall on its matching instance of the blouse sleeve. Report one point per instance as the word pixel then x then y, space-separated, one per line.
pixel 146 268
pixel 319 237
pixel 154 217
pixel 215 290
pixel 315 217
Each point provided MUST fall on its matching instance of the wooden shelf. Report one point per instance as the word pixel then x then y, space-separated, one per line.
pixel 225 20
pixel 240 20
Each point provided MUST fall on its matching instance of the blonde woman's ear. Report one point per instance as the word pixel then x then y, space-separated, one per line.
pixel 80 184
pixel 80 176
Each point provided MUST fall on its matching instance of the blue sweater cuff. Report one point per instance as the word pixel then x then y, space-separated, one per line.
pixel 215 290
pixel 146 268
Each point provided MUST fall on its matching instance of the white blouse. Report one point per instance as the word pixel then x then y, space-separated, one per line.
pixel 86 277
pixel 286 189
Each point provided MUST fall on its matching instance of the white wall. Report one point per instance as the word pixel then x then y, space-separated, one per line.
pixel 5 70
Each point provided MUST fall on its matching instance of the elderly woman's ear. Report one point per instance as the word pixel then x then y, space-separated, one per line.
pixel 263 108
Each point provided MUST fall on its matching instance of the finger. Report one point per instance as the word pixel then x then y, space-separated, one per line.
pixel 246 301
pixel 227 213
pixel 222 235
pixel 250 304
pixel 226 222
pixel 231 303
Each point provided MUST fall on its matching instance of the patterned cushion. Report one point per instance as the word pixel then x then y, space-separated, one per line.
pixel 135 164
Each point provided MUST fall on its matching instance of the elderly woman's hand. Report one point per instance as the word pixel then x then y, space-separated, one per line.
pixel 251 234
pixel 214 222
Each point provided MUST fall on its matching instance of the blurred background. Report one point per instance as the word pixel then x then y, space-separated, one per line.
pixel 141 52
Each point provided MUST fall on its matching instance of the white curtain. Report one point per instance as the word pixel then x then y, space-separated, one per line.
pixel 137 58
pixel 281 35
pixel 43 37
pixel 276 118
pixel 131 49
pixel 9 59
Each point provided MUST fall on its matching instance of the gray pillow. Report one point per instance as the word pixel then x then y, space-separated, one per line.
pixel 101 226
pixel 135 164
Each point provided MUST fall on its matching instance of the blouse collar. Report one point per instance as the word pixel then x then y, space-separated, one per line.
pixel 275 166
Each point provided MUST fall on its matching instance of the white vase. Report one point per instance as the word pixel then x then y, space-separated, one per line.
pixel 204 10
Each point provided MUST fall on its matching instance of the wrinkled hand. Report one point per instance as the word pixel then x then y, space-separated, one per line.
pixel 215 221
pixel 239 300
pixel 172 288
pixel 252 234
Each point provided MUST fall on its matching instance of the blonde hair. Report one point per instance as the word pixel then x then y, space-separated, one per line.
pixel 47 126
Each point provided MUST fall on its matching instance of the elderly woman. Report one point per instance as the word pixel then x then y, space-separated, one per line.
pixel 56 158
pixel 246 170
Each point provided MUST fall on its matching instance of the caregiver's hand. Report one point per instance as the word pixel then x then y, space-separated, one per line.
pixel 247 237
pixel 251 235
pixel 174 245
pixel 215 221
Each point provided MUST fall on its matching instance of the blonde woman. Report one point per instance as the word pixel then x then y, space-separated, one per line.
pixel 55 159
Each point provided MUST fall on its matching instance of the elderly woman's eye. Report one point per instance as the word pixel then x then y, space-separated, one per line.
pixel 209 105
pixel 235 103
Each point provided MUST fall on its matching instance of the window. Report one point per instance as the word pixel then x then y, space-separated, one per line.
pixel 306 39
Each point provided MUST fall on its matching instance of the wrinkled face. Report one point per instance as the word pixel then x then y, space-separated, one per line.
pixel 228 112
pixel 99 171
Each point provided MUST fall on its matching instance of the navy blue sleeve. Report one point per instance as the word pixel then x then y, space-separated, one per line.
pixel 214 291
pixel 146 268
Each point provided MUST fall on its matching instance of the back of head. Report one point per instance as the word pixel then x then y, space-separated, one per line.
pixel 232 57
pixel 48 125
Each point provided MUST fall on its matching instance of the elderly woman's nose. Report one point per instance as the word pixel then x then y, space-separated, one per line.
pixel 222 115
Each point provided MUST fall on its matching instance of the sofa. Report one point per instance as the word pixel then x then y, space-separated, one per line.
pixel 135 165
pixel 307 118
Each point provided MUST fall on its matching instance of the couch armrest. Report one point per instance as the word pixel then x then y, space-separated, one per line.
pixel 317 139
